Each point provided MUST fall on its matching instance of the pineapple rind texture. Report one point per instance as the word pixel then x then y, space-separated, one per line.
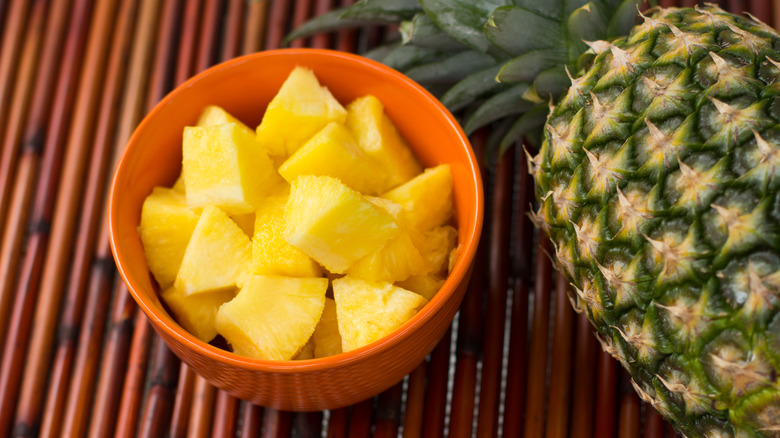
pixel 657 185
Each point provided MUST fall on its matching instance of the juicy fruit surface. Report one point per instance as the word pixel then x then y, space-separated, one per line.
pixel 300 109
pixel 197 313
pixel 272 317
pixel 368 311
pixel 334 224
pixel 427 198
pixel 378 137
pixel 334 152
pixel 326 338
pixel 271 254
pixel 658 184
pixel 217 256
pixel 166 226
pixel 224 165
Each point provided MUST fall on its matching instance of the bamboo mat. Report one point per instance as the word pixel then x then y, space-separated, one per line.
pixel 79 359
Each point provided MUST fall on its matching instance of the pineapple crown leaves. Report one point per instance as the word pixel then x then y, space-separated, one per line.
pixel 489 61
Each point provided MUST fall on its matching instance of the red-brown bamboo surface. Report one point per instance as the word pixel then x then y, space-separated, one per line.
pixel 79 359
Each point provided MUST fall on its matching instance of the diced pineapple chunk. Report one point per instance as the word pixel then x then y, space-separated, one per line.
pixel 272 317
pixel 178 186
pixel 334 152
pixel 439 242
pixel 218 255
pixel 271 254
pixel 246 222
pixel 306 352
pixel 399 257
pixel 426 199
pixel 197 313
pixel 326 338
pixel 379 138
pixel 334 224
pixel 166 226
pixel 300 109
pixel 425 285
pixel 225 166
pixel 369 311
pixel 214 115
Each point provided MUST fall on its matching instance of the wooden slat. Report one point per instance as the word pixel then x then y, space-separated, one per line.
pixel 14 112
pixel 561 364
pixel 537 364
pixel 469 340
pixel 226 416
pixel 201 414
pixel 21 39
pixel 387 415
pixel 415 399
pixel 436 397
pixel 583 399
pixel 180 416
pixel 276 423
pixel 134 379
pixel 122 333
pixel 500 220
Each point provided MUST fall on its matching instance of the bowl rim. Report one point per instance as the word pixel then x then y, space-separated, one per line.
pixel 458 274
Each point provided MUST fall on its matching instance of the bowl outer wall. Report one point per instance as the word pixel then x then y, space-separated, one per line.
pixel 244 86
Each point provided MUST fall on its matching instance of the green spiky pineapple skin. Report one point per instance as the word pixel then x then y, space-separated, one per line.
pixel 657 183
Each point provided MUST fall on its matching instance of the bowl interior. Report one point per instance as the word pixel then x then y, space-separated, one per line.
pixel 244 86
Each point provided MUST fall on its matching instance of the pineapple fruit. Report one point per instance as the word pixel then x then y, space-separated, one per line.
pixel 166 226
pixel 197 313
pixel 334 224
pixel 217 256
pixel 241 253
pixel 426 199
pixel 367 311
pixel 326 339
pixel 272 317
pixel 655 159
pixel 271 254
pixel 298 111
pixel 224 165
pixel 333 152
pixel 378 137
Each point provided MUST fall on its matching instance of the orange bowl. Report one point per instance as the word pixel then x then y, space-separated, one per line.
pixel 244 86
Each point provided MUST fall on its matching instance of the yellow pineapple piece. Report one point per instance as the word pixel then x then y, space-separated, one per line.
pixel 396 259
pixel 334 224
pixel 427 198
pixel 380 139
pixel 298 111
pixel 271 254
pixel 246 222
pixel 224 165
pixel 218 255
pixel 197 313
pixel 214 115
pixel 166 226
pixel 334 152
pixel 326 338
pixel 425 285
pixel 307 351
pixel 272 317
pixel 369 311
pixel 178 186
pixel 437 246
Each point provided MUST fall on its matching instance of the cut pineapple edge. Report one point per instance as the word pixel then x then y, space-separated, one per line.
pixel 317 233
